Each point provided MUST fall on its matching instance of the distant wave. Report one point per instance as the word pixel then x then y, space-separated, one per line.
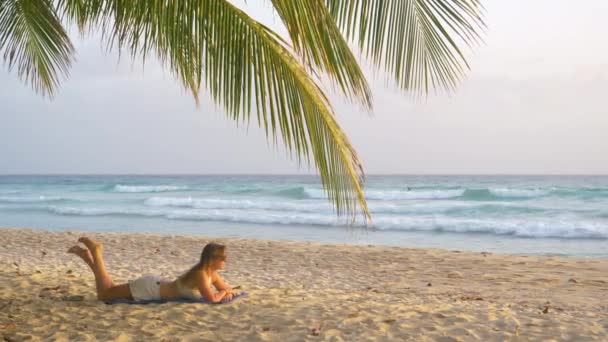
pixel 527 193
pixel 76 211
pixel 217 203
pixel 255 217
pixel 519 193
pixel 390 195
pixel 305 192
pixel 585 192
pixel 30 199
pixel 524 227
pixel 298 192
pixel 156 206
pixel 528 227
pixel 316 206
pixel 501 194
pixel 427 194
pixel 230 215
pixel 148 188
pixel 382 195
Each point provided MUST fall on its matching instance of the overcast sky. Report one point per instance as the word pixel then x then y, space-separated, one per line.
pixel 534 102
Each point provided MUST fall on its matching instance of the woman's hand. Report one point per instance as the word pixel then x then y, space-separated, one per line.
pixel 227 294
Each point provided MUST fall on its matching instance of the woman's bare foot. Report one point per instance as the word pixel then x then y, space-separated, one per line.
pixel 92 245
pixel 85 254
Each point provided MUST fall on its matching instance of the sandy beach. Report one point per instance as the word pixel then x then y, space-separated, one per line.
pixel 302 292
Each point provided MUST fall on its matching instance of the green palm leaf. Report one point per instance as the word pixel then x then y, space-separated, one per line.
pixel 414 40
pixel 33 40
pixel 316 37
pixel 285 96
pixel 245 67
pixel 140 27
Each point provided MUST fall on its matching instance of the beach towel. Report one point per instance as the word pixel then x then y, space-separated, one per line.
pixel 162 301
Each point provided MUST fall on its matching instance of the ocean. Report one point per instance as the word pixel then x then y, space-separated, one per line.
pixel 538 215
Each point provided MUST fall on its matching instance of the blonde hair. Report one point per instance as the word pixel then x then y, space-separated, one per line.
pixel 211 252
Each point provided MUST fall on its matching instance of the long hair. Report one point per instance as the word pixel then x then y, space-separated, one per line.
pixel 211 252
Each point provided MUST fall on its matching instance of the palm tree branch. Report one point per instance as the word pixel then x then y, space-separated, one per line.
pixel 140 27
pixel 417 41
pixel 245 67
pixel 318 40
pixel 33 41
pixel 306 116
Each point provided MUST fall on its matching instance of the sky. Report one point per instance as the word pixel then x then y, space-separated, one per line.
pixel 534 102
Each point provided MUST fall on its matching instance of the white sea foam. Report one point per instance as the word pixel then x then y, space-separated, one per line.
pixel 220 215
pixel 313 206
pixel 216 203
pixel 29 199
pixel 566 227
pixel 88 211
pixel 518 193
pixel 255 217
pixel 148 188
pixel 393 195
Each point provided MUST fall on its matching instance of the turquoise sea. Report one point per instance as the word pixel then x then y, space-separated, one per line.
pixel 563 215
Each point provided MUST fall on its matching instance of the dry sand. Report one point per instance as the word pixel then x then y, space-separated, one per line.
pixel 302 292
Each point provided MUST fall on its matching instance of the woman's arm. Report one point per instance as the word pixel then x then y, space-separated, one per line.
pixel 208 294
pixel 221 285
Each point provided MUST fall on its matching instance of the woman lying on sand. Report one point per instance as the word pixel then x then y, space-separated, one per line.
pixel 191 285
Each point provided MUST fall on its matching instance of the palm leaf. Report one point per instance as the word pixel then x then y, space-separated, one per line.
pixel 139 27
pixel 245 67
pixel 286 96
pixel 33 40
pixel 318 40
pixel 300 108
pixel 414 40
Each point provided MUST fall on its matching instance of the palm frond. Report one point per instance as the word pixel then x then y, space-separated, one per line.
pixel 246 68
pixel 85 14
pixel 414 40
pixel 257 67
pixel 316 37
pixel 33 40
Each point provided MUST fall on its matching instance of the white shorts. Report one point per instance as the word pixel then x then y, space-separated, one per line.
pixel 145 287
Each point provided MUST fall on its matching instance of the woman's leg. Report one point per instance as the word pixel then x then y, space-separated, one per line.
pixel 103 280
pixel 121 291
pixel 84 254
pixel 106 289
